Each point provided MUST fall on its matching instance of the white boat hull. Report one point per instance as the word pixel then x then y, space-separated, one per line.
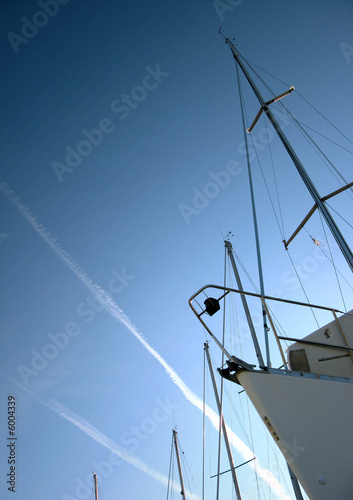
pixel 310 418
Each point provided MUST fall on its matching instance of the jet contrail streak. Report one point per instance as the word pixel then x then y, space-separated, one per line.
pixel 108 443
pixel 110 305
pixel 104 440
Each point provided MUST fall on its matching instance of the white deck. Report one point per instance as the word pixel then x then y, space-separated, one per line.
pixel 329 334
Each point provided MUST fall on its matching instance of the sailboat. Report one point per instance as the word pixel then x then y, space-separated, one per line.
pixel 306 403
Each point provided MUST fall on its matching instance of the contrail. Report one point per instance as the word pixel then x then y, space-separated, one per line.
pixel 102 439
pixel 110 305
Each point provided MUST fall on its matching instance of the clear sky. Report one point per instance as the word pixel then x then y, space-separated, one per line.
pixel 117 119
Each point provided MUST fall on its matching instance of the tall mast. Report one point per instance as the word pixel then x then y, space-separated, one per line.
pixel 179 464
pixel 299 166
pixel 256 228
pixel 95 486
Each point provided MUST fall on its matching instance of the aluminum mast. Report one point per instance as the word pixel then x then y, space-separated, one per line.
pixel 245 305
pixel 179 464
pixel 299 166
pixel 95 486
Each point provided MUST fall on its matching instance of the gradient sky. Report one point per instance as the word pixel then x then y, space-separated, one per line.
pixel 116 116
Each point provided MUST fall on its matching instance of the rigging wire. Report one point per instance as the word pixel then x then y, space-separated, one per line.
pixel 186 468
pixel 231 401
pixel 330 260
pixel 338 177
pixel 255 224
pixel 324 117
pixel 253 447
pixel 324 137
pixel 234 318
pixel 243 428
pixel 273 316
pixel 311 141
pixel 302 287
pixel 324 158
pixel 221 391
pixel 252 65
pixel 278 218
pixel 249 439
pixel 275 178
pixel 280 227
pixel 209 433
pixel 301 127
pixel 333 264
pixel 283 478
pixel 339 215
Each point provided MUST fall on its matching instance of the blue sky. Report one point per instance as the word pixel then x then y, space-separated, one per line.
pixel 117 116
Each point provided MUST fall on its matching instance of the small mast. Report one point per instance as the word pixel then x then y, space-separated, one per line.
pixel 182 493
pixel 95 486
pixel 224 429
pixel 245 305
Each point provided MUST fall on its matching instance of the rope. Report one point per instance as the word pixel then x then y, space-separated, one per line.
pixel 275 181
